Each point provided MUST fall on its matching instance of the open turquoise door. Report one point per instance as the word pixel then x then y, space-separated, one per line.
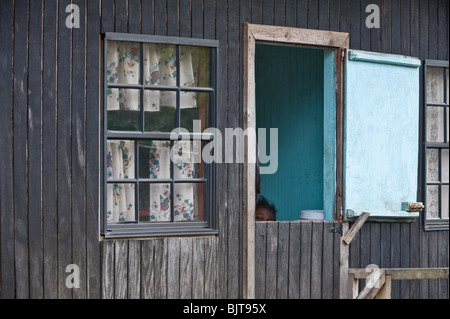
pixel 381 135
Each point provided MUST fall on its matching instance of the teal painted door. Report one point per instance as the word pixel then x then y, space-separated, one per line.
pixel 381 132
pixel 290 96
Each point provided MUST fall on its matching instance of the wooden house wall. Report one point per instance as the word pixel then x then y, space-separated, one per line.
pixel 50 147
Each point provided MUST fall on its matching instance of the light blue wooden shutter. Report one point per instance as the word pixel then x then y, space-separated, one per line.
pixel 381 135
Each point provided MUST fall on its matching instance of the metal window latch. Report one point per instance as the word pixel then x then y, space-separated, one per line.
pixel 337 228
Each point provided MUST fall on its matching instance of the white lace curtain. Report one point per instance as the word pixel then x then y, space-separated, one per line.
pixel 123 66
pixel 159 69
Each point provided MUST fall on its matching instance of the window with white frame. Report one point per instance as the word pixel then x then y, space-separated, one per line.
pixel 436 145
pixel 159 96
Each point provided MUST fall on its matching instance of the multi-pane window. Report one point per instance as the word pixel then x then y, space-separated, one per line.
pixel 159 96
pixel 436 157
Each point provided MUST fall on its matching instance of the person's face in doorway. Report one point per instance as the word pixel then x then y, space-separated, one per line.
pixel 263 214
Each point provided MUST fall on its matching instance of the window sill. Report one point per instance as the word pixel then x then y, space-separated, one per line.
pixel 164 231
pixel 383 216
pixel 438 224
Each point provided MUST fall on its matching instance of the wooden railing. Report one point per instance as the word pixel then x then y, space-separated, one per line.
pixel 378 281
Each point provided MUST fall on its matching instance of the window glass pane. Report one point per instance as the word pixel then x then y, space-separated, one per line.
pixel 189 202
pixel 435 85
pixel 432 204
pixel 123 60
pixel 120 202
pixel 195 65
pixel 123 107
pixel 187 160
pixel 120 161
pixel 432 165
pixel 435 124
pixel 154 202
pixel 160 66
pixel 195 106
pixel 445 201
pixel 444 165
pixel 154 159
pixel 160 111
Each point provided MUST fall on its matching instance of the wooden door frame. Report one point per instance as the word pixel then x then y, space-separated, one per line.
pixel 252 33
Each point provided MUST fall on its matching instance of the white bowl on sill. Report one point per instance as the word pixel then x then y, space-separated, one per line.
pixel 312 214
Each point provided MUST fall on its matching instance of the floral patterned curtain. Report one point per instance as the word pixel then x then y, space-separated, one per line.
pixel 123 67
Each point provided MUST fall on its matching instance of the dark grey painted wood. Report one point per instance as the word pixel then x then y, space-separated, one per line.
pixel 93 267
pixel 64 151
pixel 20 195
pixel 260 259
pixel 6 157
pixel 57 223
pixel 35 151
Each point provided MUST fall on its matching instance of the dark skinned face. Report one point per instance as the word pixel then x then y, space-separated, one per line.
pixel 264 215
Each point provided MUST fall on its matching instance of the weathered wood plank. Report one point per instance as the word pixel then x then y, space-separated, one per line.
pixel 160 17
pixel 185 18
pixel 134 269
pixel 210 290
pixel 120 16
pixel 49 179
pixel 355 24
pixel 386 26
pixel 348 237
pixel 234 177
pixel 291 13
pixel 305 260
pixel 294 261
pixel 6 157
pixel 365 31
pixel 279 12
pixel 93 256
pixel 121 269
pixel 404 261
pixel 147 17
pixel 272 260
pixel 257 11
pixel 316 260
pixel 260 259
pixel 344 260
pixel 172 18
pixel 283 260
pixel 395 27
pixel 78 151
pixel 327 261
pixel 267 12
pixel 405 273
pixel 191 268
pixel 221 35
pixel 107 15
pixel 161 270
pixel 433 29
pixel 324 21
pixel 19 150
pixel 148 261
pixel 443 262
pixel 405 30
pixel 197 19
pixel 64 150
pixel 34 151
pixel 108 282
pixel 173 268
pixel 313 14
pixel 375 33
pixel 299 36
pixel 134 16
pixel 209 19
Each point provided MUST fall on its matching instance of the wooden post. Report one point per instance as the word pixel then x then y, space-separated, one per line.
pixel 385 291
pixel 343 264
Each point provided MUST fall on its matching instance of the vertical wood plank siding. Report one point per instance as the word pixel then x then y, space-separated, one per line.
pixel 50 163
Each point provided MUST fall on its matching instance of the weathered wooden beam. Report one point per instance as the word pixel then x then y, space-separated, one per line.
pixel 374 282
pixel 385 291
pixel 404 273
pixel 348 237
pixel 297 35
pixel 344 253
